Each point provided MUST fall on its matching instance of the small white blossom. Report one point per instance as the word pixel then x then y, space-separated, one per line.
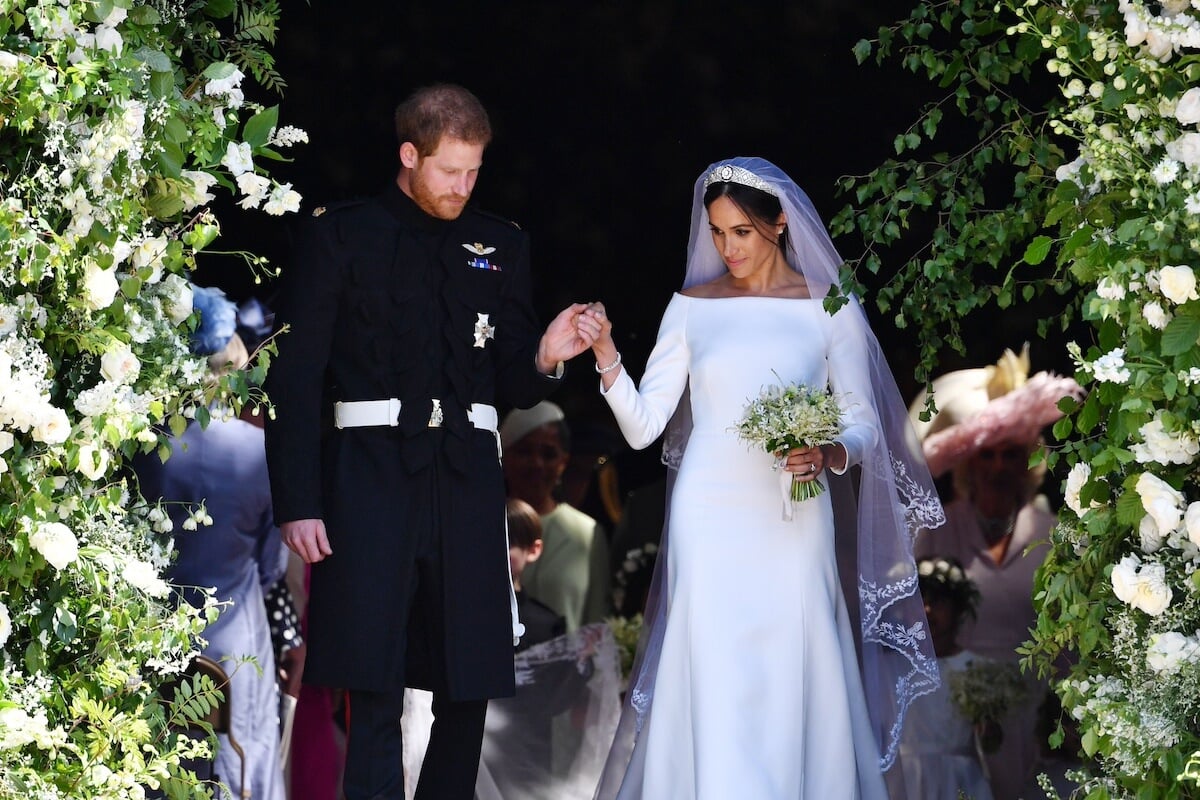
pixel 1162 501
pixel 119 364
pixel 5 625
pixel 1110 289
pixel 197 188
pixel 282 200
pixel 238 158
pixel 287 136
pixel 1169 651
pixel 1110 367
pixel 100 286
pixel 1161 446
pixel 1077 478
pixel 1165 171
pixel 142 575
pixel 93 462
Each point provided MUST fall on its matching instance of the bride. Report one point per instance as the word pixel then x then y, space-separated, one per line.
pixel 781 688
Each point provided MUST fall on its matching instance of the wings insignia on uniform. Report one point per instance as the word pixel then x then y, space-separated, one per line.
pixel 479 249
pixel 318 211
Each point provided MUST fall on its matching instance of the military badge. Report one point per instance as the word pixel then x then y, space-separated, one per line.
pixel 483 330
pixel 480 250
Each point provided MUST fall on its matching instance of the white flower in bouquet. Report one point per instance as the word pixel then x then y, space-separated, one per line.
pixel 1077 478
pixel 177 298
pixel 1178 284
pixel 93 462
pixel 52 425
pixel 1161 501
pixel 1187 110
pixel 149 253
pixel 1161 446
pixel 282 200
pixel 1186 149
pixel 1191 522
pixel 119 364
pixel 196 192
pixel 1170 651
pixel 5 625
pixel 1110 367
pixel 142 575
pixel 1153 312
pixel 238 158
pixel 56 543
pixel 1142 586
pixel 785 417
pixel 100 286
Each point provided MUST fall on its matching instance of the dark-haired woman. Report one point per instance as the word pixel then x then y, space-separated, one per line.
pixel 748 683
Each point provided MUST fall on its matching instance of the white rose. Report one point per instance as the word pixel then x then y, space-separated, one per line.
pixel 149 253
pixel 1156 317
pixel 1151 538
pixel 1161 501
pixel 1159 45
pixel 1077 478
pixel 1191 521
pixel 56 543
pixel 1151 593
pixel 1178 284
pixel 5 625
pixel 119 364
pixel 53 426
pixel 93 462
pixel 1186 149
pixel 8 60
pixel 6 441
pixel 1187 110
pixel 1172 7
pixel 142 575
pixel 1167 651
pixel 1124 578
pixel 100 286
pixel 238 158
pixel 109 39
pixel 177 298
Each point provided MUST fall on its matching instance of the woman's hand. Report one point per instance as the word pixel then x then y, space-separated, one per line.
pixel 593 322
pixel 806 463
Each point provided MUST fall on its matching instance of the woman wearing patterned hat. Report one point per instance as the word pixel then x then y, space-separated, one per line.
pixel 987 426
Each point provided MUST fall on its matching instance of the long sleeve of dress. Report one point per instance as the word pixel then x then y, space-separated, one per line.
pixel 642 411
pixel 850 379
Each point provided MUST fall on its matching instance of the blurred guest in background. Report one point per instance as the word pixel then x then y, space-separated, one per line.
pixel 987 427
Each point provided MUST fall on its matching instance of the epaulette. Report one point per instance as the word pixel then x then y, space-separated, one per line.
pixel 496 217
pixel 338 206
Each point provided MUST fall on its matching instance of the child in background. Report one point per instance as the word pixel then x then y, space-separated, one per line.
pixel 541 622
pixel 938 752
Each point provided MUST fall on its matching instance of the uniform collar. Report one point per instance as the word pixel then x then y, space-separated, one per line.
pixel 408 213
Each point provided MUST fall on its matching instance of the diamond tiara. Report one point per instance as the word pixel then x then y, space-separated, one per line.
pixel 728 173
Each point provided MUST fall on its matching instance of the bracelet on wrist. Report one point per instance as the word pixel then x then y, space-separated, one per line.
pixel 605 370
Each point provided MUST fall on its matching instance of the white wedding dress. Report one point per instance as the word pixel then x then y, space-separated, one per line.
pixel 757 694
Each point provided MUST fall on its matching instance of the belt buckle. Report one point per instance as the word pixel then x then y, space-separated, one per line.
pixel 436 418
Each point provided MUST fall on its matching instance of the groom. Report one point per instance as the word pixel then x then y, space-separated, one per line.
pixel 408 317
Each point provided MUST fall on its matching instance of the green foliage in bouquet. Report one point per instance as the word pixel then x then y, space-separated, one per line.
pixel 1083 181
pixel 117 121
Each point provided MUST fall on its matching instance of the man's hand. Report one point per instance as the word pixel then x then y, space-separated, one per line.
pixel 563 339
pixel 306 538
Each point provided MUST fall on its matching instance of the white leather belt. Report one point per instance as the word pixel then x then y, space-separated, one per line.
pixel 368 413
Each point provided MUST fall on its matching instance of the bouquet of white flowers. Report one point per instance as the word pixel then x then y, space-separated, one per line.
pixel 785 417
pixel 983 693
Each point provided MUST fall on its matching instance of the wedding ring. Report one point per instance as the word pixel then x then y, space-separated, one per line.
pixel 812 466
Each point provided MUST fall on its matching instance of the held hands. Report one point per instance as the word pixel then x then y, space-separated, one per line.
pixel 306 538
pixel 563 339
pixel 595 322
pixel 806 463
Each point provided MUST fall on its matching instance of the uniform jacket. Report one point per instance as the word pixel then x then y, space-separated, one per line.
pixel 383 301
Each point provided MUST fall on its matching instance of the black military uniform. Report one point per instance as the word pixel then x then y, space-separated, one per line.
pixel 384 302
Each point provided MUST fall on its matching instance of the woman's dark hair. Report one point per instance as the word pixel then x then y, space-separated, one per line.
pixel 763 208
pixel 524 524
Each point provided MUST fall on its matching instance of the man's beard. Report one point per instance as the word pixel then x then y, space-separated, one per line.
pixel 446 206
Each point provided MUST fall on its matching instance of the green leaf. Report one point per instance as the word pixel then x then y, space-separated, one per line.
pixel 862 50
pixel 145 15
pixel 1037 250
pixel 219 9
pixel 258 128
pixel 1181 335
pixel 1130 509
pixel 219 70
pixel 156 60
pixel 162 84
